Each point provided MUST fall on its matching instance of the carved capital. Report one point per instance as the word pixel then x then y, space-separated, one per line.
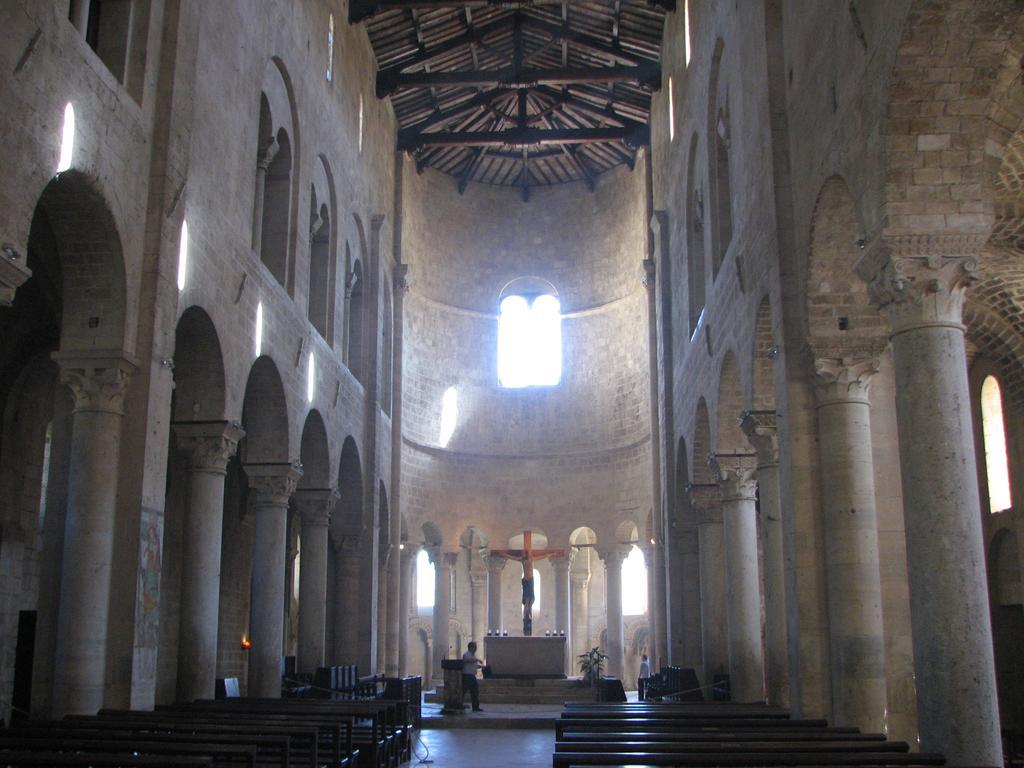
pixel 401 279
pixel 579 579
pixel 273 483
pixel 315 505
pixel 478 579
pixel 13 273
pixel 495 565
pixel 762 432
pixel 267 153
pixel 613 556
pixel 737 475
pixel 98 381
pixel 921 280
pixel 346 546
pixel 209 444
pixel 409 553
pixel 442 559
pixel 843 380
pixel 562 564
pixel 706 501
pixel 650 274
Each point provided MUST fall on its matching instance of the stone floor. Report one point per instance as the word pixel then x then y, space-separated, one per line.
pixel 484 747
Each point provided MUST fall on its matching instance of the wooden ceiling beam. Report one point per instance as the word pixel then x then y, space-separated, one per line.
pixel 525 137
pixel 642 75
pixel 424 56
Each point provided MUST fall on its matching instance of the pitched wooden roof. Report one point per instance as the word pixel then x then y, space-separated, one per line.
pixel 520 94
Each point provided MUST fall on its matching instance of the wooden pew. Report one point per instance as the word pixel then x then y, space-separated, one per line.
pixel 16 759
pixel 746 759
pixel 220 754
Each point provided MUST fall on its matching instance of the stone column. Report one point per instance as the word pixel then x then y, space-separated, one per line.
pixel 80 15
pixel 613 590
pixel 760 428
pixel 495 565
pixel 706 501
pixel 921 281
pixel 397 621
pixel 737 478
pixel 387 554
pixel 272 485
pixel 315 507
pixel 209 446
pixel 267 154
pixel 443 564
pixel 348 579
pixel 580 597
pixel 98 384
pixel 478 606
pixel 851 542
pixel 406 591
pixel 560 569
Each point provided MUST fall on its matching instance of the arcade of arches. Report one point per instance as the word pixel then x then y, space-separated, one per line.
pixel 249 376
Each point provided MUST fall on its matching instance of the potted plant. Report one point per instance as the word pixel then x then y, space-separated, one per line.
pixel 591 664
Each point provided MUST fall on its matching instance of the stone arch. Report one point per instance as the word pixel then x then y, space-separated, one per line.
pixel 348 517
pixel 841 321
pixel 765 351
pixel 199 388
pixel 702 473
pixel 265 415
pixel 313 453
pixel 85 259
pixel 323 236
pixel 730 405
pixel 277 155
pixel 717 146
pixel 696 262
pixel 356 311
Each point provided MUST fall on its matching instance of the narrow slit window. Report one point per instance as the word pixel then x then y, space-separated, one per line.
pixel 996 464
pixel 330 49
pixel 634 583
pixel 424 581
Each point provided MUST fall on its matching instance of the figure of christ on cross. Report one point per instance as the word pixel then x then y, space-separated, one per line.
pixel 527 556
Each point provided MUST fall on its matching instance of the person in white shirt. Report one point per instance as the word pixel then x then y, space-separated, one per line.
pixel 470 665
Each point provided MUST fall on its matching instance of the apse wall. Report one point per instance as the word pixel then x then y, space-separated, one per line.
pixel 551 458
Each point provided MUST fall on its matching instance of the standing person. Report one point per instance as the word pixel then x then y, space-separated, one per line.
pixel 641 683
pixel 470 665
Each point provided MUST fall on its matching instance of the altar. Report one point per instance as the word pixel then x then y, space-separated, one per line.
pixel 533 657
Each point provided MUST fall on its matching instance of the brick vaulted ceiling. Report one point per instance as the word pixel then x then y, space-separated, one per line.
pixel 518 94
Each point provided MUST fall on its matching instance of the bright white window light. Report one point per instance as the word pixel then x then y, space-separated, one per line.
pixel 361 120
pixel 311 378
pixel 996 465
pixel 686 30
pixel 634 583
pixel 330 48
pixel 536 591
pixel 671 111
pixel 424 581
pixel 259 329
pixel 530 342
pixel 67 139
pixel 449 415
pixel 183 256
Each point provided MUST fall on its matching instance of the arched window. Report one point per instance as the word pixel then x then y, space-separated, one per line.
pixel 634 583
pixel 319 306
pixel 449 415
pixel 330 49
pixel 273 194
pixel 695 262
pixel 355 321
pixel 671 110
pixel 723 186
pixel 687 45
pixel 529 340
pixel 105 25
pixel 424 581
pixel 996 464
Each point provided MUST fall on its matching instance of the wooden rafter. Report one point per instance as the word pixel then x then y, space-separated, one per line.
pixel 642 75
pixel 519 137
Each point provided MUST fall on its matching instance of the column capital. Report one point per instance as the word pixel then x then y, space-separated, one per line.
pixel 761 429
pixel 13 273
pixel 409 551
pixel 579 578
pixel 267 152
pixel 613 556
pixel 97 380
pixel 921 280
pixel 315 505
pixel 441 558
pixel 345 545
pixel 563 562
pixel 706 500
pixel 478 578
pixel 737 475
pixel 274 482
pixel 209 444
pixel 844 379
pixel 400 279
pixel 495 565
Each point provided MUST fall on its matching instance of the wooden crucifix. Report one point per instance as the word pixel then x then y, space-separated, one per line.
pixel 527 556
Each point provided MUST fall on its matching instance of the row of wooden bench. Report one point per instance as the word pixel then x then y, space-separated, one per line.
pixel 708 735
pixel 278 733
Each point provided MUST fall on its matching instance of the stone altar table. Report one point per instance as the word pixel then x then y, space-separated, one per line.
pixel 534 657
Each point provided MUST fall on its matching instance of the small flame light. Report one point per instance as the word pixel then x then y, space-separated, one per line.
pixel 246 643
